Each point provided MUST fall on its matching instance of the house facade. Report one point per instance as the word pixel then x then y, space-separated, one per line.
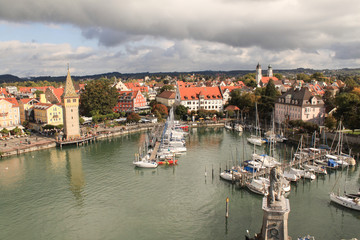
pixel 196 98
pixel 130 101
pixel 9 113
pixel 167 98
pixel 299 104
pixel 48 114
pixel 26 109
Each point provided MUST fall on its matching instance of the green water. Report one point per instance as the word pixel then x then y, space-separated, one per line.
pixel 94 192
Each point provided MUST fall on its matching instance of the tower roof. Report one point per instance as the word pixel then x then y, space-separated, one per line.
pixel 258 65
pixel 69 90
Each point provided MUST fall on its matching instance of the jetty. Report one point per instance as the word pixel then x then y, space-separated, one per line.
pixel 243 177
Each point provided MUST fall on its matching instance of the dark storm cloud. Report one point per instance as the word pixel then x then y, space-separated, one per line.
pixel 268 24
pixel 350 50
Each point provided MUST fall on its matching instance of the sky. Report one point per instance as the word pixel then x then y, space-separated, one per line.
pixel 40 37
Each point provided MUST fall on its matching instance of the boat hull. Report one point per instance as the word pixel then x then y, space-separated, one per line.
pixel 345 201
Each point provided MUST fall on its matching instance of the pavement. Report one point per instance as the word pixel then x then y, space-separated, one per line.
pixel 24 142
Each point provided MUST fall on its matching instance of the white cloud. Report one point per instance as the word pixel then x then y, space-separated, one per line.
pixel 207 34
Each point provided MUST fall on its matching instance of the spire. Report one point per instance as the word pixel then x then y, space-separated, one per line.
pixel 69 90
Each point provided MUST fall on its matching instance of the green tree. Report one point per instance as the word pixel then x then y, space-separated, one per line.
pixel 267 100
pixel 330 122
pixel 99 96
pixel 181 111
pixel 303 76
pixel 329 101
pixel 278 76
pixel 348 109
pixel 167 88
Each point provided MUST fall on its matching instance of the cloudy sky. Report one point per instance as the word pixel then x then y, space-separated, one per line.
pixel 39 37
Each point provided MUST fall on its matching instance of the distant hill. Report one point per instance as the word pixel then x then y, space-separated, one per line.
pixel 9 78
pixel 235 73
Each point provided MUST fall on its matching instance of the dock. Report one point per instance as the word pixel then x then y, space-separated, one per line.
pixel 242 178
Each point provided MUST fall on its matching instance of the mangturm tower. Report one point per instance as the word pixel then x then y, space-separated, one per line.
pixel 70 103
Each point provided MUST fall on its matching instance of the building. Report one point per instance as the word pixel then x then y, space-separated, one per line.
pixel 48 114
pixel 196 98
pixel 26 109
pixel 226 91
pixel 9 113
pixel 299 104
pixel 167 98
pixel 261 80
pixel 70 104
pixel 130 101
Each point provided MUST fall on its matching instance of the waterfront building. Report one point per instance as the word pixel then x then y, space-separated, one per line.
pixel 299 104
pixel 70 106
pixel 47 114
pixel 196 98
pixel 130 101
pixel 167 98
pixel 9 113
pixel 26 109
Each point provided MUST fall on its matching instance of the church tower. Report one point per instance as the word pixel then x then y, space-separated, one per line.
pixel 70 103
pixel 258 74
pixel 270 71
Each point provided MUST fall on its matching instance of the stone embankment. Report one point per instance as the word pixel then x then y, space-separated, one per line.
pixel 35 142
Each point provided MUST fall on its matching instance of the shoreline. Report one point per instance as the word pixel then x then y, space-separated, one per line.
pixel 37 142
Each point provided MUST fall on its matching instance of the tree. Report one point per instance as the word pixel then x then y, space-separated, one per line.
pixel 330 122
pixel 133 117
pixel 181 111
pixel 303 76
pixel 161 108
pixel 99 97
pixel 348 110
pixel 278 76
pixel 267 100
pixel 329 101
pixel 167 88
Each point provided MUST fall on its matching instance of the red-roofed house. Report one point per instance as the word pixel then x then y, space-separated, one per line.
pixel 195 98
pixel 53 95
pixel 26 109
pixel 167 98
pixel 9 113
pixel 130 101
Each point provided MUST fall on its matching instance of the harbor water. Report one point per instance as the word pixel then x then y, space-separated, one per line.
pixel 94 192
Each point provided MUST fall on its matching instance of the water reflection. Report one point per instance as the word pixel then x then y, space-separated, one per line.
pixel 75 174
pixel 11 171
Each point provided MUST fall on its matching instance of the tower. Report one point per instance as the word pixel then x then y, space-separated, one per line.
pixel 270 71
pixel 70 103
pixel 258 74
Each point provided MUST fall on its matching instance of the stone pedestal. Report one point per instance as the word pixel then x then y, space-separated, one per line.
pixel 275 220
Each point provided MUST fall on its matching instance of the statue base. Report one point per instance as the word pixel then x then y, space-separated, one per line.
pixel 275 220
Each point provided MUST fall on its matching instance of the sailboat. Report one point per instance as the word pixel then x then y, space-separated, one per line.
pixel 351 201
pixel 256 139
pixel 144 162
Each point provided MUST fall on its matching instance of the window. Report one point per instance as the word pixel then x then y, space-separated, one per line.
pixel 74 100
pixel 68 100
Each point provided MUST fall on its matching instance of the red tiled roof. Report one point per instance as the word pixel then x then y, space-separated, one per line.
pixel 189 93
pixel 3 91
pixel 167 95
pixel 267 79
pixel 58 92
pixel 28 89
pixel 232 108
pixel 13 101
pixel 26 100
pixel 230 88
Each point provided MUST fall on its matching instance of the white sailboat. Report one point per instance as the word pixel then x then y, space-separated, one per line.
pixel 256 139
pixel 351 201
pixel 144 162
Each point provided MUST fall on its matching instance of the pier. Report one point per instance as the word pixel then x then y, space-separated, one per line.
pixel 243 177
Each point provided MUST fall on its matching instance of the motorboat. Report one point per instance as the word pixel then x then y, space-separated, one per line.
pixel 258 186
pixel 238 127
pixel 256 140
pixel 144 162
